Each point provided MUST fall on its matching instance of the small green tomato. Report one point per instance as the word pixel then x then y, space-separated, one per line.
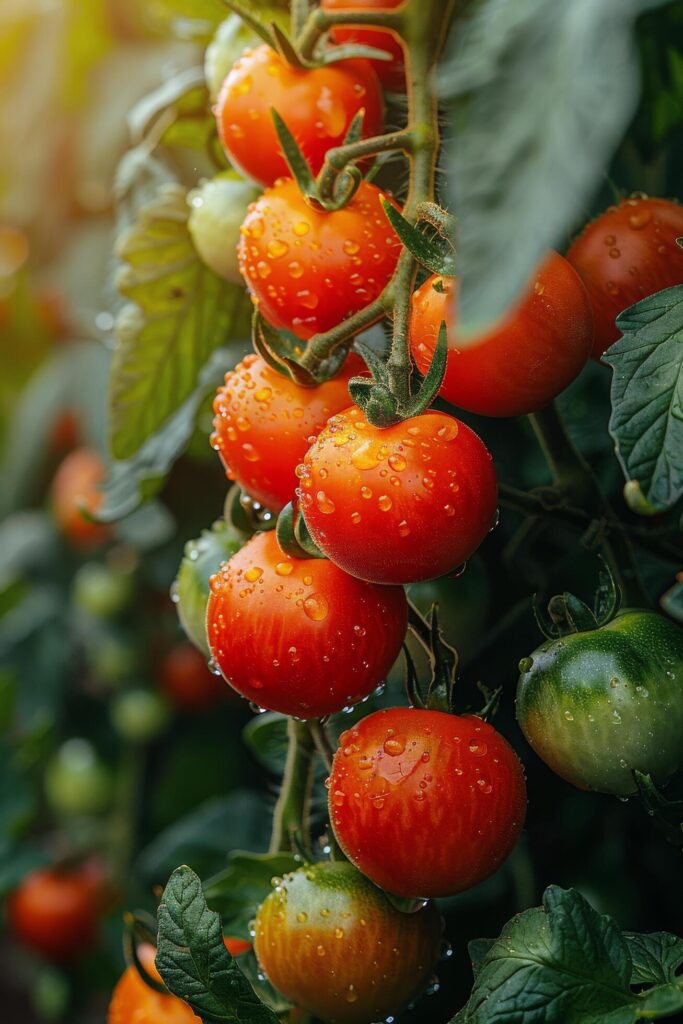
pixel 139 716
pixel 77 783
pixel 218 208
pixel 102 591
pixel 232 38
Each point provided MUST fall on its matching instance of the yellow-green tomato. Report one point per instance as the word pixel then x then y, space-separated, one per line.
pixel 217 210
pixel 333 944
pixel 598 704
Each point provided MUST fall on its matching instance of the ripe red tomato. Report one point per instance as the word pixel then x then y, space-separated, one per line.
pixel 300 636
pixel 399 505
pixel 525 361
pixel 135 1002
pixel 334 944
pixel 392 74
pixel 75 486
pixel 263 423
pixel 626 253
pixel 55 912
pixel 317 105
pixel 308 269
pixel 426 803
pixel 187 680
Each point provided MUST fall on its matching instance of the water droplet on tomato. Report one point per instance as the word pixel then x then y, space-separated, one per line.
pixel 325 504
pixel 394 746
pixel 253 574
pixel 385 503
pixel 316 607
pixel 477 747
pixel 277 248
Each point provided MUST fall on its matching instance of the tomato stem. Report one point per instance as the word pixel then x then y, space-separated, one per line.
pixel 320 21
pixel 322 742
pixel 290 818
pixel 338 158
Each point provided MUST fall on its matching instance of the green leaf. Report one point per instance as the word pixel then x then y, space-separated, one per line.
pixel 433 379
pixel 656 957
pixel 266 737
pixel 478 949
pixel 296 161
pixel 435 254
pixel 647 396
pixel 136 480
pixel 193 961
pixel 181 313
pixel 204 837
pixel 528 143
pixel 562 963
pixel 238 891
pixel 177 113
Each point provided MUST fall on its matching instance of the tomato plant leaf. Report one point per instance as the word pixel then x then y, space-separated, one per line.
pixel 179 109
pixel 237 892
pixel 134 481
pixel 562 963
pixel 266 737
pixel 523 161
pixel 193 961
pixel 180 313
pixel 656 957
pixel 647 396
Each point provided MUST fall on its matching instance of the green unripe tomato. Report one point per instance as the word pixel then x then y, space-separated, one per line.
pixel 232 38
pixel 77 783
pixel 598 704
pixel 201 560
pixel 218 208
pixel 140 715
pixel 101 591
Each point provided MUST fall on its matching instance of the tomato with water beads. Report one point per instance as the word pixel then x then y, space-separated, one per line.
pixel 317 104
pixel 401 504
pixel 523 362
pixel 626 253
pixel 298 635
pixel 426 803
pixel 331 942
pixel 308 269
pixel 263 424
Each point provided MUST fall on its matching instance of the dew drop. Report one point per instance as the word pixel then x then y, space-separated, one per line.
pixel 394 746
pixel 253 574
pixel 316 607
pixel 284 568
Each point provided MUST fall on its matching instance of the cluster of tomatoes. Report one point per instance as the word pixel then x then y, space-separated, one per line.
pixel 309 636
pixel 423 803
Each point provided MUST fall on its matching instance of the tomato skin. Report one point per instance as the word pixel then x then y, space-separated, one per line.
pixel 392 74
pixel 326 938
pixel 201 560
pixel 317 105
pixel 401 504
pixel 300 636
pixel 598 704
pixel 263 423
pixel 309 269
pixel 625 254
pixel 76 485
pixel 55 912
pixel 187 680
pixel 403 776
pixel 522 363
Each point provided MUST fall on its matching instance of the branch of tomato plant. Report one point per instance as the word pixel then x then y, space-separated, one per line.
pixel 290 818
pixel 573 476
pixel 322 742
pixel 422 24
pixel 549 503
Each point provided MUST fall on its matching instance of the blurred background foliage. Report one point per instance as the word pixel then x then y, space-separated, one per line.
pixel 87 631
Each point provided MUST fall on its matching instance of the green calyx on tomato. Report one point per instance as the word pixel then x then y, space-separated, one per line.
pixel 600 703
pixel 308 926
